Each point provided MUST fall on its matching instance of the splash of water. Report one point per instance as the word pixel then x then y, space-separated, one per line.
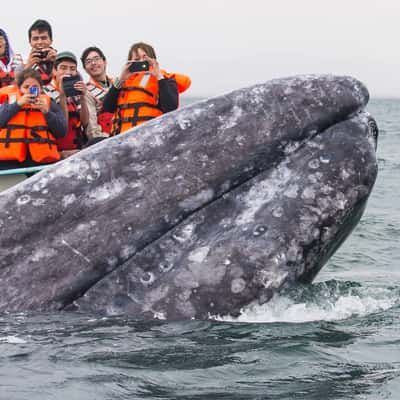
pixel 325 305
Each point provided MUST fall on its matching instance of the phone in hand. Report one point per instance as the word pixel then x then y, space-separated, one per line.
pixel 68 83
pixel 138 66
pixel 34 90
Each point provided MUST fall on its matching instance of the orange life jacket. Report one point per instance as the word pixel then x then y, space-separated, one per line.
pixel 6 78
pixel 27 131
pixel 138 99
pixel 104 119
pixel 75 138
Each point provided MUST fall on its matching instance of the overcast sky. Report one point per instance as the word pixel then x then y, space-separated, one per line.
pixel 227 44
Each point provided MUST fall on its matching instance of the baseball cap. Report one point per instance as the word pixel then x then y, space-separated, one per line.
pixel 66 55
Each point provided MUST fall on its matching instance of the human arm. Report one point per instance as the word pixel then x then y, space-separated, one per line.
pixel 84 112
pixel 110 100
pixel 56 120
pixel 168 97
pixel 7 111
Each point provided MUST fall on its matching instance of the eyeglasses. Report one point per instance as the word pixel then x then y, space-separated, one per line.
pixel 96 59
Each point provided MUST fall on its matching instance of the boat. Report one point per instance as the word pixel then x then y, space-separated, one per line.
pixel 10 177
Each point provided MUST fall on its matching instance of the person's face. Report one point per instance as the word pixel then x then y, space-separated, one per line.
pixel 27 84
pixel 139 55
pixel 65 67
pixel 2 46
pixel 40 40
pixel 95 66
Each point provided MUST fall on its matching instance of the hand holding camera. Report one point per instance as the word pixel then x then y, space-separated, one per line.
pixel 29 98
pixel 73 85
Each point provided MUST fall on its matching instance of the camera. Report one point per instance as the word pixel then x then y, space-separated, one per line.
pixel 43 54
pixel 138 66
pixel 34 90
pixel 68 83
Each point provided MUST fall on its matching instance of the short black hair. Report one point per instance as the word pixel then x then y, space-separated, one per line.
pixel 42 26
pixel 89 50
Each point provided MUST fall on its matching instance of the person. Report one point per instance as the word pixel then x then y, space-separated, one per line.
pixel 42 55
pixel 73 105
pixel 100 123
pixel 10 63
pixel 137 97
pixel 30 122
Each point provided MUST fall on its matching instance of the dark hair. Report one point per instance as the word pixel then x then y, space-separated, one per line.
pixel 89 50
pixel 28 73
pixel 42 26
pixel 149 50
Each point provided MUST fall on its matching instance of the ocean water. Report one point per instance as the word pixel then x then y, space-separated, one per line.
pixel 338 338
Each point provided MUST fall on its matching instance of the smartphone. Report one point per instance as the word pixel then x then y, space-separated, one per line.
pixel 138 66
pixel 34 90
pixel 68 85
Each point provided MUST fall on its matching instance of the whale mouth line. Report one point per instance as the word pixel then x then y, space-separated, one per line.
pixel 288 149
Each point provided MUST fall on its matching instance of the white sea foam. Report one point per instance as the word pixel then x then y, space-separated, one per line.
pixel 12 340
pixel 283 309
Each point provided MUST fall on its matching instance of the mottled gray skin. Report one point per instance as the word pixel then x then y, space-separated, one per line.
pixel 277 229
pixel 71 225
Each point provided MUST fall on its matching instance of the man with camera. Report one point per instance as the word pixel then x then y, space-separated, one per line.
pixel 42 55
pixel 69 91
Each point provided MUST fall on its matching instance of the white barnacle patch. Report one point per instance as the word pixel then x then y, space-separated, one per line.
pixel 40 185
pixel 42 254
pixel 199 255
pixel 291 191
pixel 232 119
pixel 314 164
pixel 340 201
pixel 262 193
pixel 24 199
pixel 107 191
pixel 325 159
pixel 184 123
pixel 238 285
pixel 344 174
pixel 184 234
pixel 277 212
pixel 197 200
pixel 270 279
pixel 68 199
pixel 308 194
pixel 127 252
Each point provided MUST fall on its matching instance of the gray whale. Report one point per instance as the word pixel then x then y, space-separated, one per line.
pixel 196 213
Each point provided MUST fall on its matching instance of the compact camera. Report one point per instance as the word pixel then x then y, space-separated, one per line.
pixel 43 54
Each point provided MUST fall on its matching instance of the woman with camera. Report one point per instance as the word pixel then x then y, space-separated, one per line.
pixel 30 122
pixel 143 91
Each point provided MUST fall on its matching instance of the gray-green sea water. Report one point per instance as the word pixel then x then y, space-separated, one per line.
pixel 338 338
